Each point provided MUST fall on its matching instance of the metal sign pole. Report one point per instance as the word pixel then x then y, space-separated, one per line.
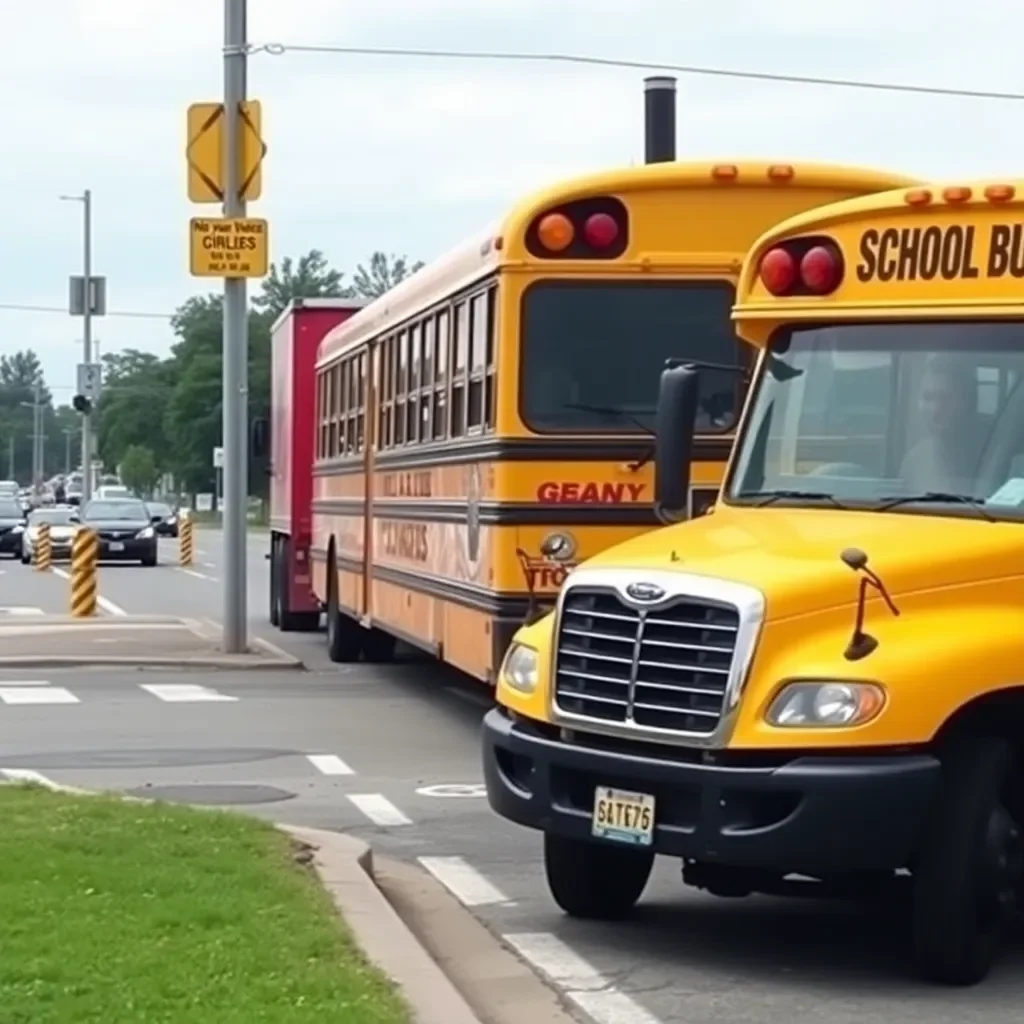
pixel 87 343
pixel 235 345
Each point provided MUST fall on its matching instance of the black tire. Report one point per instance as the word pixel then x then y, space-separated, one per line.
pixel 151 559
pixel 594 880
pixel 969 870
pixel 274 584
pixel 378 646
pixel 26 560
pixel 344 635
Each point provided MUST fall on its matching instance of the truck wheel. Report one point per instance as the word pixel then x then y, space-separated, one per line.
pixel 344 635
pixel 969 871
pixel 274 584
pixel 591 880
pixel 378 646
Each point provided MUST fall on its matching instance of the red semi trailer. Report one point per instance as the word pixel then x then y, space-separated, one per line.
pixel 294 341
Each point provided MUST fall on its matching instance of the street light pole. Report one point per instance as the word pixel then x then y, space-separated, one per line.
pixel 86 200
pixel 235 344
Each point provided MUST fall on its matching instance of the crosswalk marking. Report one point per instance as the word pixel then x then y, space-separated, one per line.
pixel 379 809
pixel 17 609
pixel 184 693
pixel 34 694
pixel 463 881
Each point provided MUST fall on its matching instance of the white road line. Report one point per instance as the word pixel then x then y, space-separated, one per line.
pixel 20 610
pixel 24 682
pixel 184 693
pixel 464 882
pixel 329 764
pixel 42 695
pixel 379 809
pixel 197 575
pixel 580 982
pixel 105 603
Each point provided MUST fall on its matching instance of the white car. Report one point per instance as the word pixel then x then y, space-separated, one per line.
pixel 113 493
pixel 63 526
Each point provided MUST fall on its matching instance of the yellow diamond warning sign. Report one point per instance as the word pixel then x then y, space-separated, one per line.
pixel 204 151
pixel 228 247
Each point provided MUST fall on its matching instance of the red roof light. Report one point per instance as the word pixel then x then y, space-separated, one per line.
pixel 820 270
pixel 778 271
pixel 600 230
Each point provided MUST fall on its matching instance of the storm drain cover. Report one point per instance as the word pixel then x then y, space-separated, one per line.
pixel 213 795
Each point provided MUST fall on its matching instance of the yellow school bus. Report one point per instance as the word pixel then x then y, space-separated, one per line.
pixel 821 677
pixel 487 424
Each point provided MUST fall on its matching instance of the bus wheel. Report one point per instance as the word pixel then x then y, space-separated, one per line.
pixel 591 880
pixel 378 646
pixel 969 872
pixel 344 635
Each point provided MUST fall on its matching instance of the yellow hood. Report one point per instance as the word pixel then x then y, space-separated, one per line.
pixel 792 555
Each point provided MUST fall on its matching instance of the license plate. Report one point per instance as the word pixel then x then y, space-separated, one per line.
pixel 116 545
pixel 623 816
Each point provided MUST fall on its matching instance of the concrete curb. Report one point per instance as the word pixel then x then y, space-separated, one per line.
pixel 345 867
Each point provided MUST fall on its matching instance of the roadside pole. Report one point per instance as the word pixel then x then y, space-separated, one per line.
pixel 224 152
pixel 236 344
pixel 87 342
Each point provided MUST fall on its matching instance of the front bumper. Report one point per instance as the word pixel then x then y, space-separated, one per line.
pixel 58 548
pixel 817 814
pixel 131 549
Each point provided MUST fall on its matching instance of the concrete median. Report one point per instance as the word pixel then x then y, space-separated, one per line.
pixel 57 641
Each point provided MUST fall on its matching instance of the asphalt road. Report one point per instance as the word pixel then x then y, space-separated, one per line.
pixel 391 753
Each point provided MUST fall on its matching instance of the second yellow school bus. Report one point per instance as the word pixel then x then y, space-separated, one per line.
pixel 486 424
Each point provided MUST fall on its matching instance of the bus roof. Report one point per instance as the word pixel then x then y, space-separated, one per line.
pixel 946 209
pixel 504 243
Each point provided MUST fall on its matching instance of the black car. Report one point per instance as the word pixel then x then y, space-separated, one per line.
pixel 168 524
pixel 126 530
pixel 12 524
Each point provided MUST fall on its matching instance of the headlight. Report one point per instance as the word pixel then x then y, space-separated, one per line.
pixel 18 529
pixel 520 668
pixel 826 704
pixel 145 533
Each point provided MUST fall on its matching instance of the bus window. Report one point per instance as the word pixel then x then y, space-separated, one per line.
pixel 593 352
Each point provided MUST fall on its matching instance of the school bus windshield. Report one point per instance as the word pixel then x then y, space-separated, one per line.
pixel 912 417
pixel 593 351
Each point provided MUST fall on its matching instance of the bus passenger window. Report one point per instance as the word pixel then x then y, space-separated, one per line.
pixel 459 369
pixel 412 407
pixel 441 380
pixel 427 395
pixel 477 362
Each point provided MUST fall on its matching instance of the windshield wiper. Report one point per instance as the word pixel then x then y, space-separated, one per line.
pixel 937 497
pixel 773 496
pixel 609 410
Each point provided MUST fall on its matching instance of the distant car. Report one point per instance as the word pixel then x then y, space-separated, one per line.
pixel 12 525
pixel 127 532
pixel 63 524
pixel 168 525
pixel 115 492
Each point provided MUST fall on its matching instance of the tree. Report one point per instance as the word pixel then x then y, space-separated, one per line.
pixel 382 274
pixel 132 406
pixel 19 373
pixel 309 277
pixel 138 469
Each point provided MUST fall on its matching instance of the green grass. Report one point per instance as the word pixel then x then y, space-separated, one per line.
pixel 126 913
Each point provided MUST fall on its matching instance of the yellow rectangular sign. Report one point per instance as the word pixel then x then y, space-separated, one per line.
pixel 228 247
pixel 204 151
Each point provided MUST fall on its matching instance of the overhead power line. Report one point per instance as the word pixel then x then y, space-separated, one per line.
pixel 135 313
pixel 277 49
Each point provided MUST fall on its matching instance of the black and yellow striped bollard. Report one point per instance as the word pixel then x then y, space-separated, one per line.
pixel 42 550
pixel 185 541
pixel 85 551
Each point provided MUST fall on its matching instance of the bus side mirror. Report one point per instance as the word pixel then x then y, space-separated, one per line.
pixel 676 423
pixel 259 440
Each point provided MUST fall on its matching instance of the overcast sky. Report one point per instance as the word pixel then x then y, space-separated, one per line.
pixel 411 155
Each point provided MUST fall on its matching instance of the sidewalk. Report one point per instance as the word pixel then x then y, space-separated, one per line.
pixel 46 641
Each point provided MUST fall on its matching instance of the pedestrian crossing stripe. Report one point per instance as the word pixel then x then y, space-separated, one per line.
pixel 40 691
pixel 22 610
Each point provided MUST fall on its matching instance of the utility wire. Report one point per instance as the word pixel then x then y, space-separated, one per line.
pixel 137 314
pixel 277 49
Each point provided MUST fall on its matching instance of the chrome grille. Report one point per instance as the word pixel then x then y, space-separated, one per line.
pixel 662 668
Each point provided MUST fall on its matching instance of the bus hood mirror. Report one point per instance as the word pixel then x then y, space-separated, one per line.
pixel 676 423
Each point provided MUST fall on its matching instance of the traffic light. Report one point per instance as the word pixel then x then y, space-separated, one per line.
pixel 82 404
